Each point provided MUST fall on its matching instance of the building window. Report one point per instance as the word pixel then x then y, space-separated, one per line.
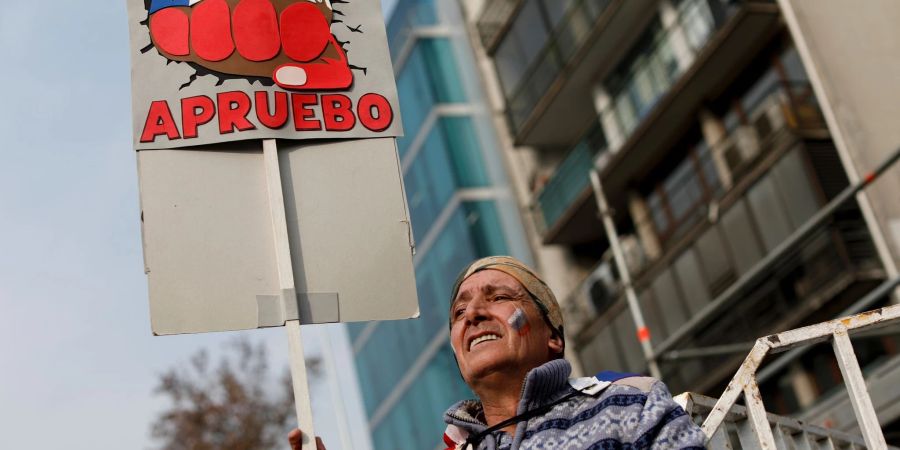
pixel 521 45
pixel 643 77
pixel 652 66
pixel 677 203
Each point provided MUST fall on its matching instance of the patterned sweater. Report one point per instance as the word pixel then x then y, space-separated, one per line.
pixel 632 413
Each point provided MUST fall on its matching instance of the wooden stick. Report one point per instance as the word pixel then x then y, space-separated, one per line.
pixel 286 281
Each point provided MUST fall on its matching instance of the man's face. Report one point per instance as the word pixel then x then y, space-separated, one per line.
pixel 496 327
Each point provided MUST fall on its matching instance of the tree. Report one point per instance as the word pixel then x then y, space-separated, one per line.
pixel 235 406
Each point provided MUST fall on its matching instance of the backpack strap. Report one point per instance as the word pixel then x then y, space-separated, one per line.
pixel 612 377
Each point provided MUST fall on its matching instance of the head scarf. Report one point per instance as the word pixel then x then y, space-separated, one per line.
pixel 540 292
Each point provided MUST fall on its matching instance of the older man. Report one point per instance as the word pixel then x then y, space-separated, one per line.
pixel 506 331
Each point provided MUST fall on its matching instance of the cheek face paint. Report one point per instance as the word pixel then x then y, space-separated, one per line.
pixel 519 322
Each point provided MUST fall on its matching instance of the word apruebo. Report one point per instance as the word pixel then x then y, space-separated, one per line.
pixel 274 110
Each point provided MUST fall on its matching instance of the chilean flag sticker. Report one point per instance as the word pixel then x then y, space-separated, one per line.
pixel 156 5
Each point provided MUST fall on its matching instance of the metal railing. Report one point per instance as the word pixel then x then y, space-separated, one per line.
pixel 761 269
pixel 697 23
pixel 736 430
pixel 561 46
pixel 836 331
pixel 569 180
pixel 494 18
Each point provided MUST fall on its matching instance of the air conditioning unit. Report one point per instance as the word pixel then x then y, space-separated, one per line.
pixel 633 252
pixel 601 289
pixel 768 118
pixel 740 147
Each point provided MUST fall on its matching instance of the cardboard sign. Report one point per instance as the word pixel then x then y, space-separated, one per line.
pixel 210 250
pixel 208 71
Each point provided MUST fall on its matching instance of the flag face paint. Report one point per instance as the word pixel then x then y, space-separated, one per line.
pixel 519 322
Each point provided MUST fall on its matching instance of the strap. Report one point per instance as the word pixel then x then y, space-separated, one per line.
pixel 612 377
pixel 475 440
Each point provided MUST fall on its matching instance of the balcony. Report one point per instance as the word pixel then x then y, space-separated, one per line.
pixel 725 51
pixel 552 103
pixel 740 32
pixel 494 20
pixel 823 274
pixel 566 191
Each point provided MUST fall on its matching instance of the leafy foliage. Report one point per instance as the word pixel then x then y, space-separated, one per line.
pixel 234 406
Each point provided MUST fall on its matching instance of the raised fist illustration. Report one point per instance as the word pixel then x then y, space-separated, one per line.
pixel 289 41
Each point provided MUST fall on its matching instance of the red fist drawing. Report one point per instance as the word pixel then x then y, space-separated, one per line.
pixel 289 41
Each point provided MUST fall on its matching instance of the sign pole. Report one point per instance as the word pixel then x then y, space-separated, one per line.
pixel 286 281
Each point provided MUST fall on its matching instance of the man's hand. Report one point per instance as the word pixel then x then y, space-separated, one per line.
pixel 289 41
pixel 295 437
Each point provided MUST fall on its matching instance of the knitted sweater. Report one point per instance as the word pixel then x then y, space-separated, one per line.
pixel 632 413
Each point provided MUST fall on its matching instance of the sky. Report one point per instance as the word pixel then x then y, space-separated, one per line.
pixel 78 364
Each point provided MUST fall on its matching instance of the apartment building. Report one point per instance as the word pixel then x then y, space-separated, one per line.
pixel 712 151
pixel 461 208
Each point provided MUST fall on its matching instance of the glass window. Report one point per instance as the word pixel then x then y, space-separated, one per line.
pixel 443 70
pixel 468 165
pixel 485 227
pixel 408 14
pixel 521 46
pixel 643 77
pixel 429 184
pixel 708 168
pixel 435 274
pixel 796 188
pixel 416 97
pixel 556 10
pixel 760 90
pixel 769 212
pixel 600 353
pixel 714 258
pixel 697 21
pixel 740 238
pixel 683 189
pixel 652 317
pixel 629 346
pixel 678 203
pixel 660 218
pixel 690 276
pixel 667 298
pixel 415 422
pixel 793 66
pixel 430 76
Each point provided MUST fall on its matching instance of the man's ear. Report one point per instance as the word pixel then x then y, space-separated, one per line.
pixel 556 344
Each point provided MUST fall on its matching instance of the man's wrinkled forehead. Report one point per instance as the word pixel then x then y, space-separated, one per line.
pixel 488 285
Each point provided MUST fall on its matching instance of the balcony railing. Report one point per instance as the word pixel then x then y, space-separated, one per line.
pixel 757 219
pixel 655 67
pixel 494 19
pixel 780 106
pixel 568 182
pixel 557 53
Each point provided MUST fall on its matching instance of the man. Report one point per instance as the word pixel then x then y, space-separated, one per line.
pixel 506 331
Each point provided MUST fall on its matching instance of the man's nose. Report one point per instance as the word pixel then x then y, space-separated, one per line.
pixel 476 310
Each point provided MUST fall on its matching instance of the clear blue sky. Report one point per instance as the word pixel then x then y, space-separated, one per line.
pixel 78 361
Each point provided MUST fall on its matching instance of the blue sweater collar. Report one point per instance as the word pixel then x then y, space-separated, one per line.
pixel 543 384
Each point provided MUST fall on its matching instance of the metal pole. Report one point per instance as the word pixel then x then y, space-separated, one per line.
pixel 757 272
pixel 286 280
pixel 856 389
pixel 643 333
